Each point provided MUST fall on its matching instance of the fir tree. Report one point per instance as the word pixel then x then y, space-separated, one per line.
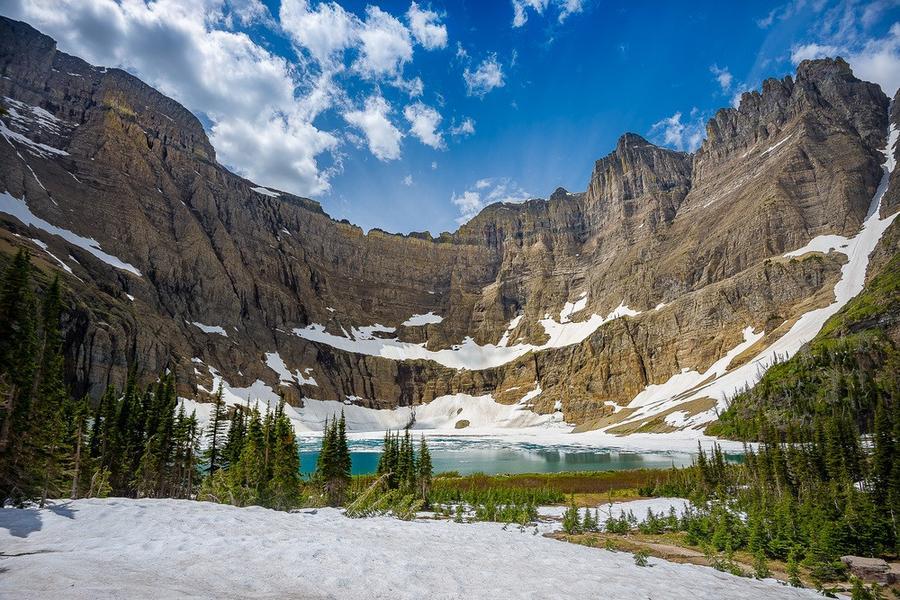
pixel 215 433
pixel 285 484
pixel 19 356
pixel 424 470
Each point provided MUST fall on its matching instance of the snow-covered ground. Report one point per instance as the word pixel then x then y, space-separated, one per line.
pixel 118 548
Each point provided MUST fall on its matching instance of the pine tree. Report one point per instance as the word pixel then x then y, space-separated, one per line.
pixel 47 434
pixel 883 455
pixel 424 473
pixel 284 487
pixel 19 356
pixel 80 423
pixel 231 451
pixel 216 433
pixel 345 463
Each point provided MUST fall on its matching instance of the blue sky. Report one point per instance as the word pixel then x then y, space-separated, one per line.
pixel 411 116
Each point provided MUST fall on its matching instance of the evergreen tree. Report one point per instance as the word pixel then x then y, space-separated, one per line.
pixel 47 437
pixel 284 487
pixel 424 471
pixel 231 451
pixel 883 455
pixel 216 433
pixel 19 356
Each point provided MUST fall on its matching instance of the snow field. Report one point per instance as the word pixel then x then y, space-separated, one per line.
pixel 120 548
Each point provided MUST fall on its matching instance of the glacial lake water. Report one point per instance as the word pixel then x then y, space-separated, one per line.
pixel 475 455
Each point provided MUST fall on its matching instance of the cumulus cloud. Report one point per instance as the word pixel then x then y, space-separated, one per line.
pixel 185 50
pixel 385 44
pixel 844 30
pixel 426 27
pixel 565 9
pixel 875 59
pixel 382 137
pixel 810 51
pixel 324 32
pixel 423 124
pixel 408 181
pixel 248 12
pixel 466 127
pixel 680 135
pixel 486 77
pixel 723 77
pixel 484 192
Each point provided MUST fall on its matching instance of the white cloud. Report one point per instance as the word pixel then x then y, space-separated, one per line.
pixel 520 7
pixel 465 128
pixel 250 11
pixel 811 51
pixel 382 137
pixel 723 76
pixel 484 192
pixel 879 61
pixel 873 59
pixel 486 77
pixel 426 27
pixel 566 8
pixel 434 165
pixel 414 87
pixel 276 151
pixel 424 121
pixel 679 135
pixel 844 30
pixel 408 180
pixel 386 44
pixel 185 50
pixel 324 32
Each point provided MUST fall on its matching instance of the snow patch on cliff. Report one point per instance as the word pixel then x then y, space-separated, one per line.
pixel 466 355
pixel 20 210
pixel 428 318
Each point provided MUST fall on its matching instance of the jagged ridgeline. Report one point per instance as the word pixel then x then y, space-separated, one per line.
pixel 638 305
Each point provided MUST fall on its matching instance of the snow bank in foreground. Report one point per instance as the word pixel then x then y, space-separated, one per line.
pixel 19 209
pixel 177 548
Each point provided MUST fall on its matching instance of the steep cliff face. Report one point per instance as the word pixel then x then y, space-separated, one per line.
pixel 584 299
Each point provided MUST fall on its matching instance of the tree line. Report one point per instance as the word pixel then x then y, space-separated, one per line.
pixel 138 441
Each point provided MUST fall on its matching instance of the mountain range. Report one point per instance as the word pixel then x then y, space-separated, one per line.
pixel 643 303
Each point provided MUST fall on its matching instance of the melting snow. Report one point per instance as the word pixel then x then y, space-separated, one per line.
pixel 265 191
pixel 210 328
pixel 776 145
pixel 428 318
pixel 466 355
pixel 44 247
pixel 98 547
pixel 19 209
pixel 570 308
pixel 276 363
pixel 34 147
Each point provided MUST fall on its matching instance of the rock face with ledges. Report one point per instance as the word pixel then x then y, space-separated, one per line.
pixel 702 234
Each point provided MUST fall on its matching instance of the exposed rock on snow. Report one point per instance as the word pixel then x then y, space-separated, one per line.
pixel 90 549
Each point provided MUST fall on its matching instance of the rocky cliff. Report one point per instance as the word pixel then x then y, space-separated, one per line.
pixel 668 263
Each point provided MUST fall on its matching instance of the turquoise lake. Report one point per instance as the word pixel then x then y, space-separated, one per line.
pixel 474 455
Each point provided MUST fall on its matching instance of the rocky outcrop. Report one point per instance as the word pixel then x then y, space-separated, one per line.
pixel 691 244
